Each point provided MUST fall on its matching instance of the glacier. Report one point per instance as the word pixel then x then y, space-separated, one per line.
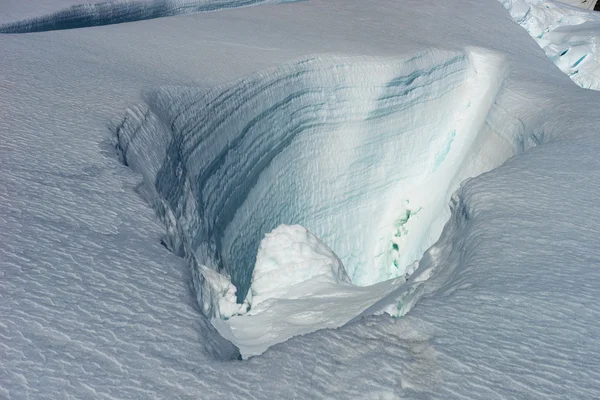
pixel 500 303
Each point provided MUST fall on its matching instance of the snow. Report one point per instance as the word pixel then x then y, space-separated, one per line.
pixel 530 282
pixel 290 256
pixel 501 305
pixel 119 11
pixel 567 34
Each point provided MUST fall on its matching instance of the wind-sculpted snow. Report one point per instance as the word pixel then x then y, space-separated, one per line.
pixel 363 152
pixel 567 34
pixel 120 11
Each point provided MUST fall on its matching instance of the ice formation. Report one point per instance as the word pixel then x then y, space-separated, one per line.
pixel 119 11
pixel 362 152
pixel 567 34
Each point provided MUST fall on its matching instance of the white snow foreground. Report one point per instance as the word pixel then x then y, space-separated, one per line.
pixel 568 35
pixel 364 153
pixel 504 304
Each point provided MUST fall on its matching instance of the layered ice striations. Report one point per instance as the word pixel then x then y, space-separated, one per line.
pixel 363 153
pixel 120 11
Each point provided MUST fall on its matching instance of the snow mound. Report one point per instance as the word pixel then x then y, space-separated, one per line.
pixel 568 35
pixel 362 152
pixel 587 4
pixel 290 263
pixel 290 256
pixel 120 11
pixel 299 286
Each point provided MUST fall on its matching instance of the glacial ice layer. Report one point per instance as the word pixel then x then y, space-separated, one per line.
pixel 363 153
pixel 118 11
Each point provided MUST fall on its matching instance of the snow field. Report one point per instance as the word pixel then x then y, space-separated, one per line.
pixel 93 306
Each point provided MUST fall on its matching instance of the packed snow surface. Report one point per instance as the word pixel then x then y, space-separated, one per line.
pixel 568 35
pixel 401 101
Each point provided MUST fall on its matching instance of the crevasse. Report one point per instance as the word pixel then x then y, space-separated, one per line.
pixel 120 11
pixel 363 152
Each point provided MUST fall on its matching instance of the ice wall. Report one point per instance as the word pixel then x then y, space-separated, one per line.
pixel 120 11
pixel 362 152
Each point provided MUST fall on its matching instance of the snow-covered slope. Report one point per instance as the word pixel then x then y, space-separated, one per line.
pixel 93 306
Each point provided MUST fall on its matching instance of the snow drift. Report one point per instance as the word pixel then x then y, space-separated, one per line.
pixel 362 152
pixel 293 255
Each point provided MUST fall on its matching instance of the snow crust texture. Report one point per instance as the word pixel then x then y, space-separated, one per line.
pixel 511 289
pixel 120 11
pixel 568 35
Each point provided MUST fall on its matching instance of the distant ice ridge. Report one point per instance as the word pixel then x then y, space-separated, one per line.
pixel 120 11
pixel 362 153
pixel 587 4
pixel 568 35
pixel 288 257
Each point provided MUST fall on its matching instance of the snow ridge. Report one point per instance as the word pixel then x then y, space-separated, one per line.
pixel 363 152
pixel 121 11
